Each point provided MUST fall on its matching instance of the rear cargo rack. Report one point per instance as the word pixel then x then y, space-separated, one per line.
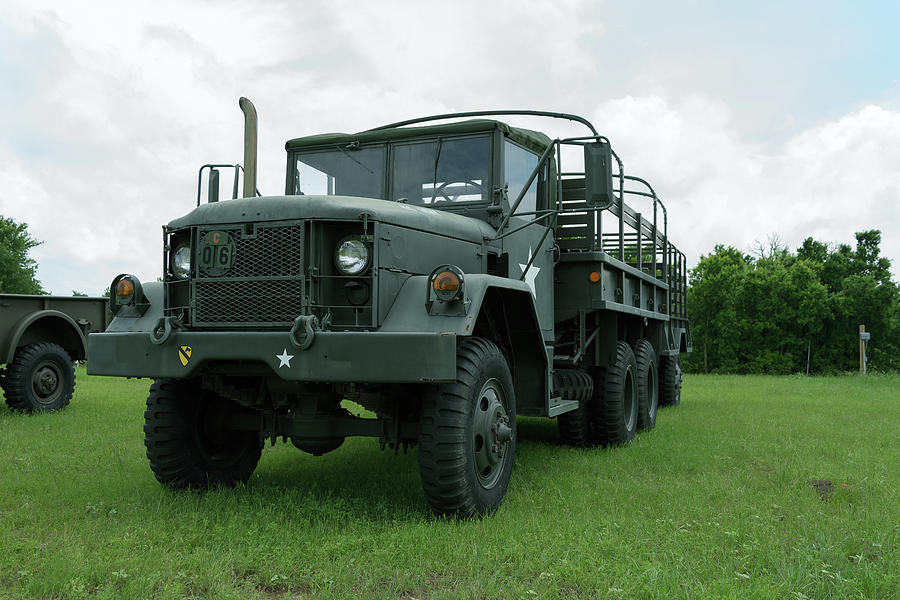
pixel 632 239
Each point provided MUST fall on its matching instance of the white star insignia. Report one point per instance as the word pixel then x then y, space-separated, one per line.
pixel 285 359
pixel 532 273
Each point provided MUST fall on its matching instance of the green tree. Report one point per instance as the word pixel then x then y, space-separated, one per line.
pixel 860 293
pixel 772 313
pixel 784 303
pixel 714 306
pixel 17 269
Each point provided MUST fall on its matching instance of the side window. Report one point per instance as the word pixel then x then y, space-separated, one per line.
pixel 518 163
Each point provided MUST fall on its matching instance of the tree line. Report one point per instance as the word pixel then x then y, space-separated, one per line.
pixel 781 312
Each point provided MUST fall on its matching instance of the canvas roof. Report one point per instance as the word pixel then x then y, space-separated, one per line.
pixel 533 140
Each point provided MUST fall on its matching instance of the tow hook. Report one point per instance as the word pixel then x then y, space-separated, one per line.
pixel 163 329
pixel 303 332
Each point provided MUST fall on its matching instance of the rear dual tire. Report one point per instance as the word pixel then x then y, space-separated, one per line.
pixel 669 381
pixel 625 399
pixel 647 384
pixel 616 418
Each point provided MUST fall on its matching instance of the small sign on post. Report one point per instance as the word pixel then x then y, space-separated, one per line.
pixel 864 337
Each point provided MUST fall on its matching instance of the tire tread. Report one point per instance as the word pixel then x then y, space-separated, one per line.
pixel 443 462
pixel 17 384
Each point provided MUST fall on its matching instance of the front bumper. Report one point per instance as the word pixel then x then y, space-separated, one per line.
pixel 358 357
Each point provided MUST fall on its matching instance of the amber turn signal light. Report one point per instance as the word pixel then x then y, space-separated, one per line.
pixel 124 289
pixel 446 282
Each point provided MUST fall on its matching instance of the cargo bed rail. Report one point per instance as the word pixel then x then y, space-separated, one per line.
pixel 633 238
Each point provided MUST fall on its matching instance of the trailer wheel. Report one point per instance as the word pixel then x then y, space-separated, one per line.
pixel 616 418
pixel 669 381
pixel 647 384
pixel 467 442
pixel 39 379
pixel 188 440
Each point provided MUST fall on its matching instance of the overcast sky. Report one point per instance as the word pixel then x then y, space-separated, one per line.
pixel 751 119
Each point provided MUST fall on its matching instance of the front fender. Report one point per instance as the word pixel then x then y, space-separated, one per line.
pixel 495 307
pixel 71 338
pixel 409 311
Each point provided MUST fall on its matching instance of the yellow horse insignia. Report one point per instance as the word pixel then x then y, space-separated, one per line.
pixel 184 354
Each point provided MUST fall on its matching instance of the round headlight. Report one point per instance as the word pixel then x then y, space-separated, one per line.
pixel 351 256
pixel 181 262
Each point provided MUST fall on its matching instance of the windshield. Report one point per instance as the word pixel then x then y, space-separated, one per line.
pixel 341 172
pixel 427 172
pixel 445 170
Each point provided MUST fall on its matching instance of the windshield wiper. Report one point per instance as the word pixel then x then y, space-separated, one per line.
pixel 355 146
pixel 437 158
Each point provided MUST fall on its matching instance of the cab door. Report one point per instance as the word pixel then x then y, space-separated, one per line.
pixel 530 250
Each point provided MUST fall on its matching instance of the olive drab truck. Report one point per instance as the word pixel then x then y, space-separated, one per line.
pixel 449 274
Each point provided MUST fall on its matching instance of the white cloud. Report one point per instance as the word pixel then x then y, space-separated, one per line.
pixel 828 182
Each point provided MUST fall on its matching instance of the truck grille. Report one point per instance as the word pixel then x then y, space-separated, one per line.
pixel 263 287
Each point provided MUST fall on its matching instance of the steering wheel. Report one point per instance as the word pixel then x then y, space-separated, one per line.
pixel 441 189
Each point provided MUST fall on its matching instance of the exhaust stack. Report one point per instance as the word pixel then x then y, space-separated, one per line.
pixel 249 147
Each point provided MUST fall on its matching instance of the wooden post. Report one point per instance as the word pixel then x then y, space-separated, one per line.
pixel 808 350
pixel 862 351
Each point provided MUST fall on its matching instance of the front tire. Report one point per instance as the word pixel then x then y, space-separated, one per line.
pixel 188 440
pixel 467 442
pixel 39 379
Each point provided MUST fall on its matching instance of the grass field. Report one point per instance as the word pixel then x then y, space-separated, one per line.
pixel 716 502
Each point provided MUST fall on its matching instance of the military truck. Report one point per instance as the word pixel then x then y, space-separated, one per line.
pixel 448 274
pixel 41 336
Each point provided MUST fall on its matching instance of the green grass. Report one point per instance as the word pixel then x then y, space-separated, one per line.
pixel 715 502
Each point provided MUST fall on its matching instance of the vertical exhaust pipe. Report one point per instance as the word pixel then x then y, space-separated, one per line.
pixel 249 147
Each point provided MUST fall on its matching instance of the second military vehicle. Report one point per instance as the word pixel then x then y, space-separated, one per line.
pixel 446 274
pixel 40 336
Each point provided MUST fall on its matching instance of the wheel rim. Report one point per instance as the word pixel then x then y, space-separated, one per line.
pixel 653 389
pixel 631 400
pixel 492 434
pixel 46 382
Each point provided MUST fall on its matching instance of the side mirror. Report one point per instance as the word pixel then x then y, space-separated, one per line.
pixel 598 181
pixel 213 185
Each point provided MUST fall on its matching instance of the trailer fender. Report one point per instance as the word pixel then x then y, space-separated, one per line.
pixel 47 326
